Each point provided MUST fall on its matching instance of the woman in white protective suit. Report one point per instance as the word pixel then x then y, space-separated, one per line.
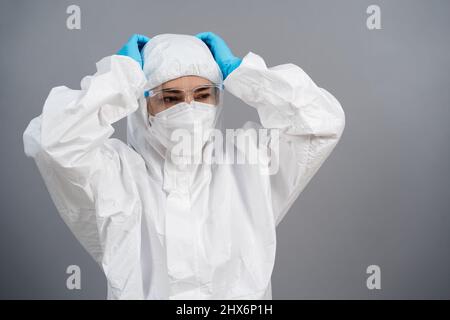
pixel 166 229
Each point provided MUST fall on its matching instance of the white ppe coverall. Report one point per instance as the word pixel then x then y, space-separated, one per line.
pixel 159 231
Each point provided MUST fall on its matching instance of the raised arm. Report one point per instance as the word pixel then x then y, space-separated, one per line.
pixel 88 175
pixel 310 122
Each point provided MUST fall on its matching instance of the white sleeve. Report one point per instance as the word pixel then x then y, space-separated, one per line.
pixel 310 121
pixel 87 174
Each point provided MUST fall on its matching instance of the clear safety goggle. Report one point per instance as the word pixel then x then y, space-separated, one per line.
pixel 169 97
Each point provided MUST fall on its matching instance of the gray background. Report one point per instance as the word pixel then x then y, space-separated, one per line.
pixel 383 197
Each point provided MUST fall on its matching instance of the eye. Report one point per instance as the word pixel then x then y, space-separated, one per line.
pixel 203 96
pixel 171 99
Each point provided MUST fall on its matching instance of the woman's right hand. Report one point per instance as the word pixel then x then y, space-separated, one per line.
pixel 133 48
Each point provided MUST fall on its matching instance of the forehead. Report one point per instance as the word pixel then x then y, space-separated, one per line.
pixel 187 82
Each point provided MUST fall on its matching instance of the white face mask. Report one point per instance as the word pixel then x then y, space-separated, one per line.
pixel 182 122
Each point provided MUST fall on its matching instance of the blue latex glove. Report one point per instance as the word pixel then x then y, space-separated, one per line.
pixel 222 54
pixel 133 48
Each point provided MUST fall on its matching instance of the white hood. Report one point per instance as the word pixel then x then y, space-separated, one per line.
pixel 167 57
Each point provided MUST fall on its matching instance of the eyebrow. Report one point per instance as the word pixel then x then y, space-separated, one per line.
pixel 172 90
pixel 178 90
pixel 203 88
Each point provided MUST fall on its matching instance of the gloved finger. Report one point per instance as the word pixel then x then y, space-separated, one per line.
pixel 206 38
pixel 211 39
pixel 138 39
pixel 216 44
pixel 141 40
pixel 135 42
